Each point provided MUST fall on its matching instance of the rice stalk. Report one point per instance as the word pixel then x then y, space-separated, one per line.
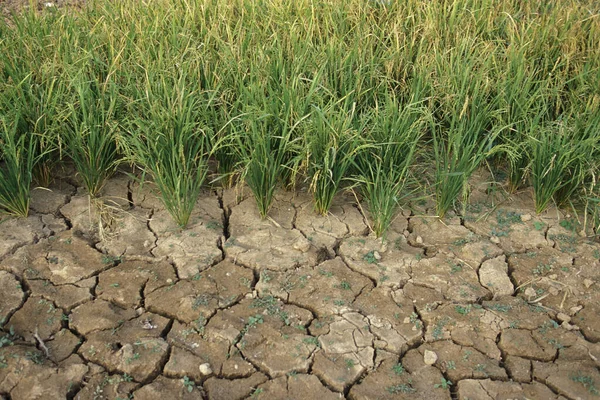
pixel 90 135
pixel 168 141
pixel 17 161
pixel 384 164
pixel 333 143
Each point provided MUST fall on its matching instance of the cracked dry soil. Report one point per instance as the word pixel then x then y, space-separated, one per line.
pixel 111 300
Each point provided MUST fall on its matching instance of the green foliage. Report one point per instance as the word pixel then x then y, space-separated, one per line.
pixel 279 93
pixel 90 131
pixel 332 144
pixel 559 158
pixel 172 143
pixel 17 160
pixel 383 165
pixel 401 388
pixel 444 384
pixel 463 135
pixel 264 156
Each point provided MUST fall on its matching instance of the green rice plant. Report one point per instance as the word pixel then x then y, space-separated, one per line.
pixel 17 161
pixel 167 140
pixel 461 132
pixel 223 152
pixel 268 137
pixel 332 144
pixel 591 199
pixel 560 155
pixel 591 189
pixel 39 106
pixel 524 103
pixel 501 71
pixel 90 135
pixel 264 155
pixel 384 165
pixel 31 83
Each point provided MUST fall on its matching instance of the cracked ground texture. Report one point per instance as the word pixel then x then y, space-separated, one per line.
pixel 109 299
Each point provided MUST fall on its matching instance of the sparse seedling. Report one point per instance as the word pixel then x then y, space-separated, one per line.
pixel 463 310
pixel 541 269
pixel 587 382
pixel 398 369
pixel 414 319
pixel 370 257
pixel 188 384
pixel 312 341
pixel 401 388
pixel 444 384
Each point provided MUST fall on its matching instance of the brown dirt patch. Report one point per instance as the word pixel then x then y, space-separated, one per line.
pixel 121 303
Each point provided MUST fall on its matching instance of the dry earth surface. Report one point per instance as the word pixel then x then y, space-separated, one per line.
pixel 117 302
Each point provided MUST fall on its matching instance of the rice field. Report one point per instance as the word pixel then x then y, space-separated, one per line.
pixel 395 100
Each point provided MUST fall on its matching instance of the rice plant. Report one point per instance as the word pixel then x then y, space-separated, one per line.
pixel 167 140
pixel 332 145
pixel 501 73
pixel 17 161
pixel 592 203
pixel 264 154
pixel 36 107
pixel 461 132
pixel 383 166
pixel 524 104
pixel 90 134
pixel 560 158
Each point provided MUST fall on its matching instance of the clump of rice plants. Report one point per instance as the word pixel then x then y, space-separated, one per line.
pixel 32 81
pixel 267 136
pixel 264 154
pixel 560 158
pixel 332 145
pixel 90 135
pixel 39 105
pixel 383 166
pixel 167 141
pixel 266 77
pixel 462 135
pixel 17 161
pixel 524 103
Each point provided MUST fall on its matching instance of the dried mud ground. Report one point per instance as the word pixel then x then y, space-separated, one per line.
pixel 114 301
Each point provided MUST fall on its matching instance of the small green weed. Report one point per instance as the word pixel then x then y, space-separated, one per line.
pixel 401 388
pixel 503 308
pixel 444 384
pixel 463 310
pixel 541 269
pixel 587 382
pixel 398 369
pixel 188 384
pixel 538 226
pixel 414 319
pixel 370 257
